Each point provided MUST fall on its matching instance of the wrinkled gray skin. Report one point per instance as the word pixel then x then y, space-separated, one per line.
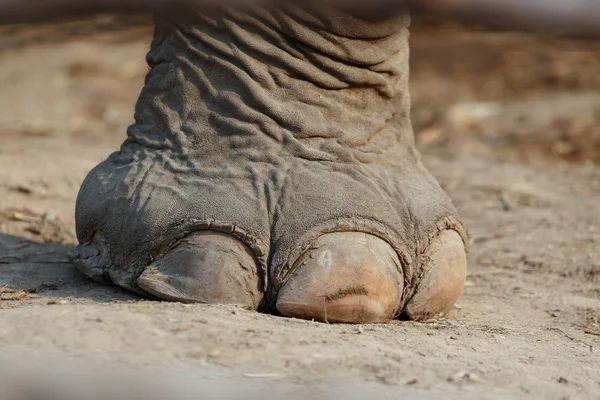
pixel 274 125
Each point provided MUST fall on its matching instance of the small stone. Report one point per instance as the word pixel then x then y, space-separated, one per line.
pixel 261 376
pixel 58 302
pixel 466 116
pixel 50 216
pixel 214 354
pixel 464 376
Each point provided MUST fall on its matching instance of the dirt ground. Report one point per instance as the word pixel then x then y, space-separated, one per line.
pixel 510 125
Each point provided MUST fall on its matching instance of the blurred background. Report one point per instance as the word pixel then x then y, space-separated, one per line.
pixel 516 94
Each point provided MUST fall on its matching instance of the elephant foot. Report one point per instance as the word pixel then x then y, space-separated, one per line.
pixel 272 165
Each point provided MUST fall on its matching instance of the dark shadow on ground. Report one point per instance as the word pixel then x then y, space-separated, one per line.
pixel 33 273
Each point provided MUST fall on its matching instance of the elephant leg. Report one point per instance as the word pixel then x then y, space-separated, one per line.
pixel 272 164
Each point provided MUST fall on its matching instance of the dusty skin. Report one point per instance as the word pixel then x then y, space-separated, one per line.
pixel 508 123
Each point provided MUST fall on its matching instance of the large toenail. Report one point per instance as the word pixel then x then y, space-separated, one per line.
pixel 442 277
pixel 347 277
pixel 206 267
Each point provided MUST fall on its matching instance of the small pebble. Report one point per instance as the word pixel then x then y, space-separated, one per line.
pixel 58 302
pixel 214 354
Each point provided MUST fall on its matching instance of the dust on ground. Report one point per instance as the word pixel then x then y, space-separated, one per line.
pixel 509 124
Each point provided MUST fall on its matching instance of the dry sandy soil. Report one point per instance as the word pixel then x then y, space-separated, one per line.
pixel 509 123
